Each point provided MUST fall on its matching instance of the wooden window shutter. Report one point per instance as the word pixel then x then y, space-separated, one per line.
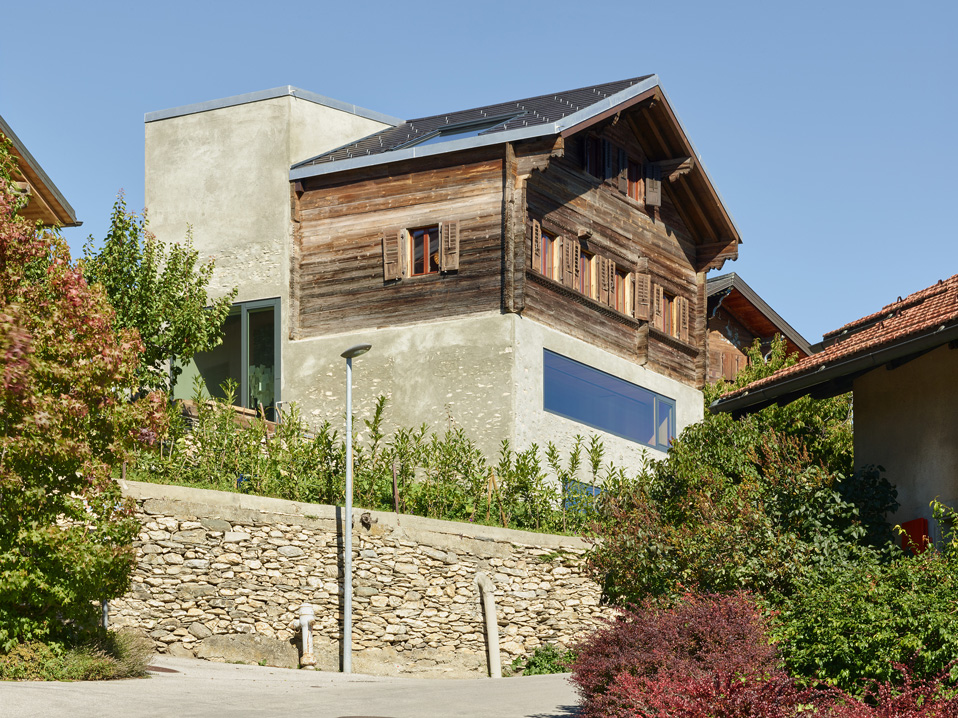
pixel 610 272
pixel 394 249
pixel 683 319
pixel 449 246
pixel 536 255
pixel 576 265
pixel 568 261
pixel 653 185
pixel 607 172
pixel 643 295
pixel 604 288
pixel 623 172
pixel 658 302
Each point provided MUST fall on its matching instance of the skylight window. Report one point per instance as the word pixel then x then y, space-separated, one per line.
pixel 459 131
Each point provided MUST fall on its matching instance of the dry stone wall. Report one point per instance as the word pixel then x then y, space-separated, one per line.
pixel 222 576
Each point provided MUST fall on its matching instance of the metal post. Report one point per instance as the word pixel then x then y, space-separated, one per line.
pixel 348 528
pixel 348 518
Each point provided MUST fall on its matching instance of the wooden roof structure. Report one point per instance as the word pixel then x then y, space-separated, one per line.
pixel 741 301
pixel 46 204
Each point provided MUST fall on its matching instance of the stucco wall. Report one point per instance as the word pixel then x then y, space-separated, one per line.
pixel 222 576
pixel 483 373
pixel 906 420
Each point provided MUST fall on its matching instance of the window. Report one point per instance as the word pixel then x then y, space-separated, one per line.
pixel 551 256
pixel 671 313
pixel 595 156
pixel 636 188
pixel 587 274
pixel 423 250
pixel 620 292
pixel 249 357
pixel 431 249
pixel 605 402
pixel 459 131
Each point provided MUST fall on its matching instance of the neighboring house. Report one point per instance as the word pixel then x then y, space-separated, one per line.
pixel 46 204
pixel 736 317
pixel 529 270
pixel 901 365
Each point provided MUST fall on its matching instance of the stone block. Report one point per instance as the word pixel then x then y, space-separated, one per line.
pixel 250 648
pixel 216 525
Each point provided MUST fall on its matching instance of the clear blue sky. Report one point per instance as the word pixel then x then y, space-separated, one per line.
pixel 828 127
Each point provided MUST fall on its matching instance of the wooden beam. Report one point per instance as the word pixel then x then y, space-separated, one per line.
pixel 675 168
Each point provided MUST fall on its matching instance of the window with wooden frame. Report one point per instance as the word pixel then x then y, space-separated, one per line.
pixel 670 313
pixel 599 155
pixel 636 183
pixel 421 251
pixel 621 292
pixel 547 256
pixel 587 274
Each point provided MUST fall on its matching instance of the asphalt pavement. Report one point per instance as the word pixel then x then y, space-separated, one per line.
pixel 187 688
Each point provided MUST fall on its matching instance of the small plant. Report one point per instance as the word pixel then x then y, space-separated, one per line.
pixel 545 659
pixel 106 655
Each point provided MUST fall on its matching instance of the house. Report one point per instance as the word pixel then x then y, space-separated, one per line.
pixel 736 316
pixel 528 271
pixel 45 203
pixel 902 369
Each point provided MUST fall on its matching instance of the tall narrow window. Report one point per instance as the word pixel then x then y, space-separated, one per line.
pixel 586 274
pixel 424 250
pixel 636 191
pixel 248 359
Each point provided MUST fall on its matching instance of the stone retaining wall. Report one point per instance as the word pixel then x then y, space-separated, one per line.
pixel 222 576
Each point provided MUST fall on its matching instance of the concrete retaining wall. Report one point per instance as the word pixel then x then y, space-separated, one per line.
pixel 222 576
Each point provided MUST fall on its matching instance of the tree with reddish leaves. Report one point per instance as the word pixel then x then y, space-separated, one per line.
pixel 65 421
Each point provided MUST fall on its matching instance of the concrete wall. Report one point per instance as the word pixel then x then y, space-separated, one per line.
pixel 225 172
pixel 906 420
pixel 483 373
pixel 222 576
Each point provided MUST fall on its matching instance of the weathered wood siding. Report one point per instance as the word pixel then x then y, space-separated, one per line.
pixel 571 203
pixel 337 265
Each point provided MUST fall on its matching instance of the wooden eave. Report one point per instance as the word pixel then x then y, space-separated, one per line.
pixel 45 202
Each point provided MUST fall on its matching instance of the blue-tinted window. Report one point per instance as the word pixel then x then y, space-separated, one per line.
pixel 579 496
pixel 607 403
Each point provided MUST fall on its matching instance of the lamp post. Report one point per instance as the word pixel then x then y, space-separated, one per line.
pixel 349 355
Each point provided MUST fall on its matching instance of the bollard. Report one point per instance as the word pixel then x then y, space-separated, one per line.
pixel 306 618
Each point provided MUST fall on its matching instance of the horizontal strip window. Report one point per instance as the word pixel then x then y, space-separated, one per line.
pixel 605 402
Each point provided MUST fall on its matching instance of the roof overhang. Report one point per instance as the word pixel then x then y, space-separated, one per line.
pixel 703 207
pixel 46 203
pixel 729 285
pixel 834 379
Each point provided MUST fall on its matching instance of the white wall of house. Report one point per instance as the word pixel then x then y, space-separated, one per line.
pixel 906 421
pixel 482 372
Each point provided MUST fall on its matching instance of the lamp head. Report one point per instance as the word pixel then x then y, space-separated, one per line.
pixel 356 351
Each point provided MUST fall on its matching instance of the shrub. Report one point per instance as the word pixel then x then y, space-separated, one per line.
pixel 545 660
pixel 850 625
pixel 696 637
pixel 438 474
pixel 102 656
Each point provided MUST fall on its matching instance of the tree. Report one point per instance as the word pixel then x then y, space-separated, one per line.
pixel 160 291
pixel 751 503
pixel 65 373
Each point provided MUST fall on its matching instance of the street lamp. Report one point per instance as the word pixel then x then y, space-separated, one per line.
pixel 349 355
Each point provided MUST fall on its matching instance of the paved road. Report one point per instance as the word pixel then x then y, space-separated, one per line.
pixel 199 689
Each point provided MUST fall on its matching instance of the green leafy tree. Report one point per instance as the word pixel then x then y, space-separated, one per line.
pixel 751 503
pixel 160 291
pixel 65 530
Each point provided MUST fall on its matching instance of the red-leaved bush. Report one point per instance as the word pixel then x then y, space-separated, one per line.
pixel 698 639
pixel 930 698
pixel 706 695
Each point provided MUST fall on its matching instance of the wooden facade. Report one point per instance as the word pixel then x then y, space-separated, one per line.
pixel 604 234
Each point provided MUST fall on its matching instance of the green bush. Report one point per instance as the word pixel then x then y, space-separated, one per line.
pixel 102 656
pixel 437 474
pixel 544 660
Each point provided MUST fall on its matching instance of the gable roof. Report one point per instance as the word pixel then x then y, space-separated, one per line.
pixel 740 300
pixel 553 115
pixel 47 204
pixel 900 331
pixel 531 112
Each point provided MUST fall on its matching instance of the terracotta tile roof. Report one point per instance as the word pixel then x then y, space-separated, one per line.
pixel 917 314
